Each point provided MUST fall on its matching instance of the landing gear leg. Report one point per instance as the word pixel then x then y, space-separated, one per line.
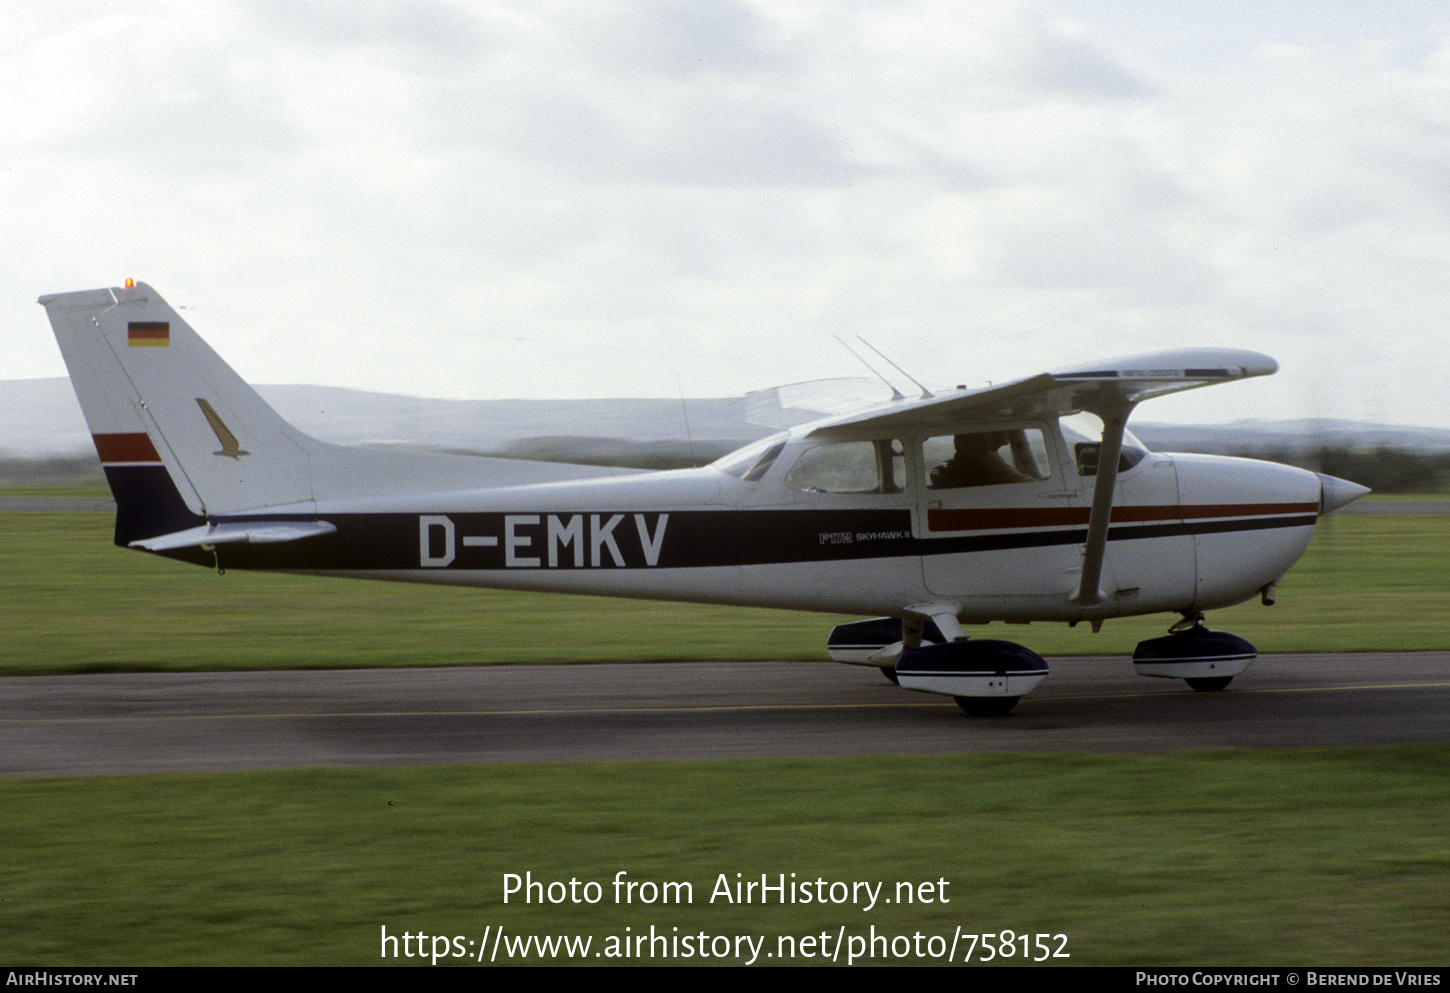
pixel 912 631
pixel 1190 623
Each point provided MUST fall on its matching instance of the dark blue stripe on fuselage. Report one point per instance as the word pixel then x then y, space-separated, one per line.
pixel 690 539
pixel 687 539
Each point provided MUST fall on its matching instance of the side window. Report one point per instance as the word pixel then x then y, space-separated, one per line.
pixel 850 467
pixel 985 458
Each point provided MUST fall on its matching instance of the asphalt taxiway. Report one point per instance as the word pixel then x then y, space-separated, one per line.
pixel 183 722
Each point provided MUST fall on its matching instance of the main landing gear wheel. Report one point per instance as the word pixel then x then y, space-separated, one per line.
pixel 1209 684
pixel 987 706
pixel 984 676
pixel 889 671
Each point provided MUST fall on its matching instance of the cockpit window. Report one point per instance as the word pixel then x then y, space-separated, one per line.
pixel 1083 433
pixel 850 467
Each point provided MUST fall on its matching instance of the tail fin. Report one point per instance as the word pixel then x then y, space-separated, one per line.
pixel 185 441
pixel 181 436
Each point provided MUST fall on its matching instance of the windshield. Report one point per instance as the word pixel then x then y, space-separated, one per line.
pixel 751 462
pixel 1083 433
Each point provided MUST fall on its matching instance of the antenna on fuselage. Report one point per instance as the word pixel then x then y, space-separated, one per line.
pixel 895 393
pixel 685 413
pixel 926 394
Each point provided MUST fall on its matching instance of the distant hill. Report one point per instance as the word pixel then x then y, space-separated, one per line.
pixel 42 419
pixel 1242 437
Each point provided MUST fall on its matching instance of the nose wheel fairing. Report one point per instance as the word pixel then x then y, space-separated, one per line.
pixel 1206 659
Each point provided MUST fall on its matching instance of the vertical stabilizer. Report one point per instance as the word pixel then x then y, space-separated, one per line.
pixel 181 436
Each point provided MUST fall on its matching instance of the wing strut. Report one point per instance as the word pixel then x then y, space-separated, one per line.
pixel 1115 422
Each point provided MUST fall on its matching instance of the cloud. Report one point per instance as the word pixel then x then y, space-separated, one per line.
pixel 698 195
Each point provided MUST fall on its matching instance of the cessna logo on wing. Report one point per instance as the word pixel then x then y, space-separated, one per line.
pixel 534 541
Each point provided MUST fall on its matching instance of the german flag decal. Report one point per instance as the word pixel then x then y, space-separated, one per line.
pixel 148 334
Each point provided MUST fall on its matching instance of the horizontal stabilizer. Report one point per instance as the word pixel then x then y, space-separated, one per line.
pixel 251 532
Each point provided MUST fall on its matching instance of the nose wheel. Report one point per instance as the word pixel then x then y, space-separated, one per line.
pixel 1211 684
pixel 987 706
pixel 1206 660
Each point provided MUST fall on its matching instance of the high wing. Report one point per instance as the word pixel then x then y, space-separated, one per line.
pixel 1103 388
pixel 792 405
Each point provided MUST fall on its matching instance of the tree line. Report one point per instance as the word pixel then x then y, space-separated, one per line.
pixel 1384 470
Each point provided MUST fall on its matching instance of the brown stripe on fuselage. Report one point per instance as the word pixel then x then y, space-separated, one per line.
pixel 965 519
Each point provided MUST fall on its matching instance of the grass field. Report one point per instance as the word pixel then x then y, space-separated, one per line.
pixel 1299 857
pixel 74 602
pixel 1290 857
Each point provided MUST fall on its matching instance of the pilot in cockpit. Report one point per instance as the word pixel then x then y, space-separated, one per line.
pixel 977 463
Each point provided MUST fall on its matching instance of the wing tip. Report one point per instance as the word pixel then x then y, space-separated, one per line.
pixel 1207 365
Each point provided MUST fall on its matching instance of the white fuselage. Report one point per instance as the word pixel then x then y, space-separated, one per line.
pixel 1189 533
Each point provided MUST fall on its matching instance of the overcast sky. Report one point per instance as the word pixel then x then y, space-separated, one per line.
pixel 648 198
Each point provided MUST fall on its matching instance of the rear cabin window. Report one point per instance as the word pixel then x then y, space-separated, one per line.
pixel 985 458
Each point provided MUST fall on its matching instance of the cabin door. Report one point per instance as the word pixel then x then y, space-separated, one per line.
pixel 1000 522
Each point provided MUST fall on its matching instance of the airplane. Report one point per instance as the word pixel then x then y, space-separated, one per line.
pixel 1019 502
